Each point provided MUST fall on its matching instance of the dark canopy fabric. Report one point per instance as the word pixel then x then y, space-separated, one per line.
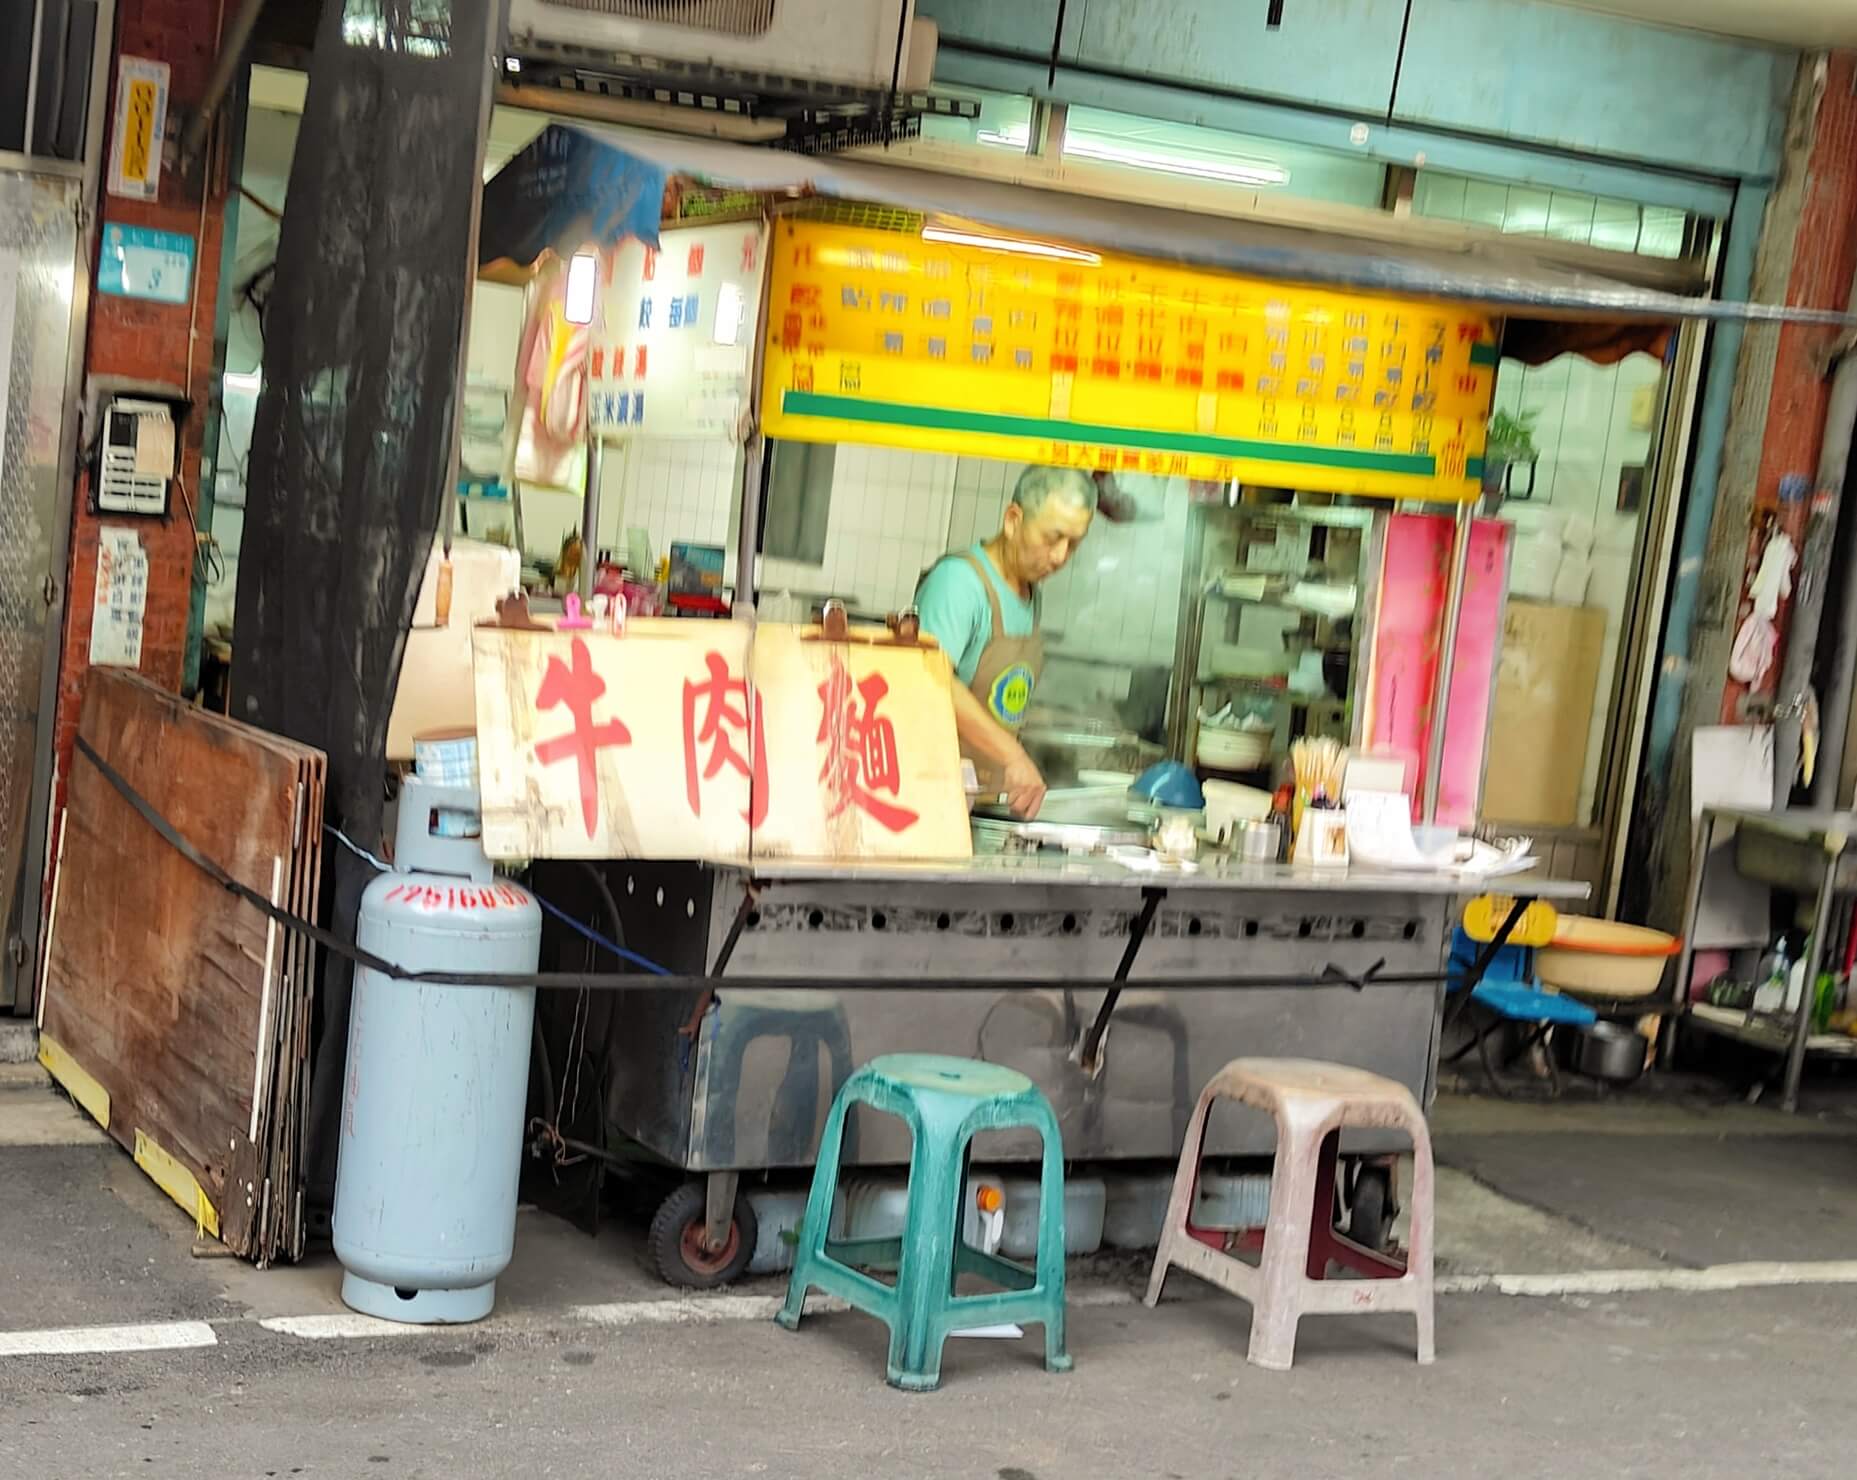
pixel 352 439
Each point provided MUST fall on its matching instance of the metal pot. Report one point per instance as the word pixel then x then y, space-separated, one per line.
pixel 1611 1051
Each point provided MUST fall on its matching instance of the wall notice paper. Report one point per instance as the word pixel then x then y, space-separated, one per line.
pixel 121 601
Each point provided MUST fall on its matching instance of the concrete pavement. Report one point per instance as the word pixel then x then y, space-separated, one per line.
pixel 590 1367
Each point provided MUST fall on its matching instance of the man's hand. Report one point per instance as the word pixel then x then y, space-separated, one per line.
pixel 1025 788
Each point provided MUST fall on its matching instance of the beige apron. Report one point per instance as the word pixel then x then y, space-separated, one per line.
pixel 1005 677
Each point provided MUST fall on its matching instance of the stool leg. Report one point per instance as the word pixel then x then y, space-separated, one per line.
pixel 925 1277
pixel 1321 1225
pixel 1277 1310
pixel 1419 1257
pixel 818 1224
pixel 1180 1200
pixel 1051 1240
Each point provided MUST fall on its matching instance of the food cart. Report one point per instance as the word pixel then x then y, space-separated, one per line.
pixel 1065 951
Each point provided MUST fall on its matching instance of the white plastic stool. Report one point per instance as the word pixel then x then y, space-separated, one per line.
pixel 1311 1102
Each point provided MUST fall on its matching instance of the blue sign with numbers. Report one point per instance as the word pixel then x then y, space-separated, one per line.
pixel 140 262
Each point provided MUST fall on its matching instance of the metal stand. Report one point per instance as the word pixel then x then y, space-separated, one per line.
pixel 1447 648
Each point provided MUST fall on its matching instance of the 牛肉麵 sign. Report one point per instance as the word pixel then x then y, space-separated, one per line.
pixel 715 741
pixel 1097 361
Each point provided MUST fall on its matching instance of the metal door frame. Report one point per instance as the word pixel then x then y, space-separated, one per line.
pixel 19 971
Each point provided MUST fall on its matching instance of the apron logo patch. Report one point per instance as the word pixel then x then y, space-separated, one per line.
pixel 1011 694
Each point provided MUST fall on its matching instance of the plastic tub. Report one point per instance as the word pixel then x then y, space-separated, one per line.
pixel 1601 958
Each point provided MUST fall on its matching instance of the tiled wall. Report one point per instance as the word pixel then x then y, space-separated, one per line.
pixel 674 490
pixel 1591 422
pixel 888 524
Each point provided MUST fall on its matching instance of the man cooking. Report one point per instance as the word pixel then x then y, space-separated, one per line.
pixel 981 605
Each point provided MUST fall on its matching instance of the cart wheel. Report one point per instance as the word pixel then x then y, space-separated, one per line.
pixel 1371 1210
pixel 676 1241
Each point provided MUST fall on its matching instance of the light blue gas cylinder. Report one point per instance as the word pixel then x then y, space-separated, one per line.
pixel 437 1077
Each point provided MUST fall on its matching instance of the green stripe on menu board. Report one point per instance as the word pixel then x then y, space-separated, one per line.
pixel 935 418
pixel 1484 354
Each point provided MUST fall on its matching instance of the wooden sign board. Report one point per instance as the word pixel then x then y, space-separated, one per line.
pixel 717 741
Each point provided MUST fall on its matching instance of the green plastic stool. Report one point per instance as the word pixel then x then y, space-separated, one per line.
pixel 944 1101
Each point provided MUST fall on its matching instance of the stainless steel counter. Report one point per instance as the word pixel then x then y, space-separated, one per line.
pixel 749 1088
pixel 1100 872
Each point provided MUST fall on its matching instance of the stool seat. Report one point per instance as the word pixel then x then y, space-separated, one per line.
pixel 945 1102
pixel 942 1074
pixel 1314 1086
pixel 1311 1102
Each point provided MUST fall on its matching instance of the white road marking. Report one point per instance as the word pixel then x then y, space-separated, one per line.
pixel 343 1325
pixel 713 1309
pixel 74 1341
pixel 1713 1280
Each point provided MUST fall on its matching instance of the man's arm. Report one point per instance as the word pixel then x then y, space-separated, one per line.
pixel 987 738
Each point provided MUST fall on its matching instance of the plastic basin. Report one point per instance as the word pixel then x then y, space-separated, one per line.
pixel 1601 958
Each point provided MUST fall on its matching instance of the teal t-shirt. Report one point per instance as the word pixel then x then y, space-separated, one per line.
pixel 954 610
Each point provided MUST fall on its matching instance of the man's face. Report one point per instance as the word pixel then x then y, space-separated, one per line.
pixel 1042 544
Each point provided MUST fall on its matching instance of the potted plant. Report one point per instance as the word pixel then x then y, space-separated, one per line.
pixel 1509 443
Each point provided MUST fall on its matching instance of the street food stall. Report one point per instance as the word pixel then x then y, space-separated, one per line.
pixel 1288 472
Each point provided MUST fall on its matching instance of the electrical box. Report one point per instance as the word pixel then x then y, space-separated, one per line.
pixel 135 457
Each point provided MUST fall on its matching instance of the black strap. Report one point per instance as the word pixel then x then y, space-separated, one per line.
pixel 1330 976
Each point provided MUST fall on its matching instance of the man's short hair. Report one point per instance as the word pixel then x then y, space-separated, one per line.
pixel 1038 485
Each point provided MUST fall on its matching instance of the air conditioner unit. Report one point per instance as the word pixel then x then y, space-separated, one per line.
pixel 860 46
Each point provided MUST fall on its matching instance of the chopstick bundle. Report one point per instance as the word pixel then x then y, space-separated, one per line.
pixel 1318 763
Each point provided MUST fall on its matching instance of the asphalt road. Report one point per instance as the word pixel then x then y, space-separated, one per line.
pixel 1737 1384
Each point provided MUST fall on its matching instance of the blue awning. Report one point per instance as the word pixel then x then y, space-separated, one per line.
pixel 568 188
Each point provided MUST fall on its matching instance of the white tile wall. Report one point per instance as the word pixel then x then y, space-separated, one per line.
pixel 889 522
pixel 675 490
pixel 1585 435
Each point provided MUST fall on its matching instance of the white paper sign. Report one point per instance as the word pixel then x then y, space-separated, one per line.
pixel 121 600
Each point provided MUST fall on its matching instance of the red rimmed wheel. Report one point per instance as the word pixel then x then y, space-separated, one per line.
pixel 679 1252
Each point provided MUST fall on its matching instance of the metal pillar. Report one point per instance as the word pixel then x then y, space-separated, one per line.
pixel 1447 648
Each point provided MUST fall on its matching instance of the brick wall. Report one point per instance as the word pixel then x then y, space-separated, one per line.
pixel 159 342
pixel 1824 256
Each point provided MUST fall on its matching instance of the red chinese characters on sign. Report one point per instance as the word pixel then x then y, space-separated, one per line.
pixel 860 749
pixel 722 702
pixel 577 687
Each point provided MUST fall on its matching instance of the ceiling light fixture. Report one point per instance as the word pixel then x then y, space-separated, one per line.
pixel 1017 245
pixel 1248 172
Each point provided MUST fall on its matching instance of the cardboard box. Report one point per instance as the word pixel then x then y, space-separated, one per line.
pixel 1547 681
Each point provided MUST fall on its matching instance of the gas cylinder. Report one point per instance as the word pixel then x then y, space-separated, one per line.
pixel 437 1076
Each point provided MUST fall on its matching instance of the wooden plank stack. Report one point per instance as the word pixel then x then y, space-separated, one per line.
pixel 175 1012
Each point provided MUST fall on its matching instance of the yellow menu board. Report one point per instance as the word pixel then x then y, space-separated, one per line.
pixel 996 346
